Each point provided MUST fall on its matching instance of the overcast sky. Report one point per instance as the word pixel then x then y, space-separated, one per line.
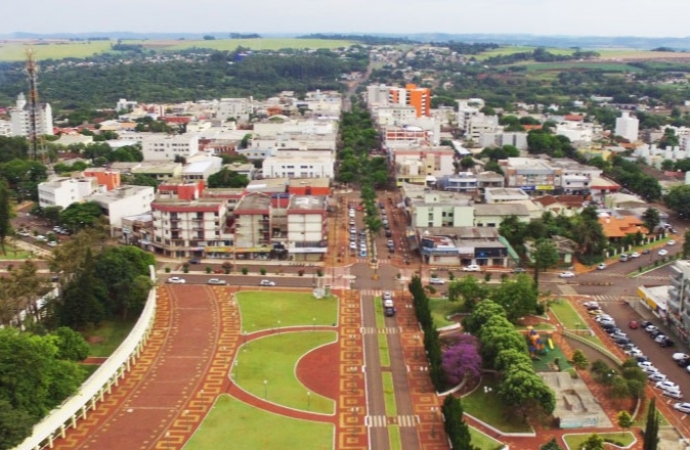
pixel 543 17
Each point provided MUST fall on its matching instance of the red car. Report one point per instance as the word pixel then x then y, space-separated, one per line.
pixel 633 325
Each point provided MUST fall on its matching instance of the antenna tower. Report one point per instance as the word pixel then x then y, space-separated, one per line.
pixel 32 74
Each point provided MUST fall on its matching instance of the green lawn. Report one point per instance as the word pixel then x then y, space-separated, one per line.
pixel 275 309
pixel 384 354
pixel 266 369
pixel 488 408
pixel 389 394
pixel 509 50
pixel 484 441
pixel 574 441
pixel 441 309
pixel 566 314
pixel 105 339
pixel 378 308
pixel 12 252
pixel 236 425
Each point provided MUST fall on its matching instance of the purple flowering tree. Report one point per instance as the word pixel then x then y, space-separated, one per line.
pixel 461 359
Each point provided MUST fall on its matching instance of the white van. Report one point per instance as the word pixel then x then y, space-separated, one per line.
pixel 388 303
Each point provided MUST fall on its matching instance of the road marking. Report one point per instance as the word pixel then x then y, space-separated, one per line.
pixel 374 330
pixel 408 421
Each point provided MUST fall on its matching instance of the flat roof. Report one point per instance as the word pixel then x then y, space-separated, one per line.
pixel 311 202
pixel 199 166
pixel 311 182
pixel 268 185
pixel 118 194
pixel 501 209
pixel 253 201
pixel 507 192
pixel 461 233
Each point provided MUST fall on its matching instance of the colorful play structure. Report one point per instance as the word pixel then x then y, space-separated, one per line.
pixel 537 345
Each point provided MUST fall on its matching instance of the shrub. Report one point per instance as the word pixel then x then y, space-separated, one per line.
pixel 245 271
pixel 300 272
pixel 185 268
pixel 209 269
pixel 167 270
pixel 226 270
pixel 487 277
pixel 319 273
pixel 262 271
pixel 451 276
pixel 540 309
pixel 434 275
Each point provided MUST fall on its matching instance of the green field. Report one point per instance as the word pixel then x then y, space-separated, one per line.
pixel 488 408
pixel 575 441
pixel 274 309
pixel 509 50
pixel 389 394
pixel 105 339
pixel 236 425
pixel 566 314
pixel 484 441
pixel 441 309
pixel 267 369
pixel 16 50
pixel 570 65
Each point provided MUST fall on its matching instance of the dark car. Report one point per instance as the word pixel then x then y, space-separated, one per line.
pixel 646 251
pixel 683 362
pixel 389 233
pixel 194 261
pixel 389 311
pixel 622 341
pixel 667 343
pixel 645 323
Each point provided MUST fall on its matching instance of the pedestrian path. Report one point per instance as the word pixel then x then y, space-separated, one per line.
pixel 372 292
pixel 610 298
pixel 380 421
pixel 374 330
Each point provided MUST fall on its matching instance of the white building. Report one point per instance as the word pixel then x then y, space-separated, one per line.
pixel 65 191
pixel 627 127
pixel 480 124
pixel 5 128
pixel 167 147
pixel 517 139
pixel 20 117
pixel 201 169
pixel 502 195
pixel 234 108
pixel 377 94
pixel 287 164
pixel 307 227
pixel 124 201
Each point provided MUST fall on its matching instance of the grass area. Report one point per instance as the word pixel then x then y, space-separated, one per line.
pixel 12 253
pixel 509 50
pixel 389 394
pixel 259 44
pixel 384 354
pixel 641 420
pixel 488 407
pixel 591 65
pixel 442 308
pixel 545 360
pixel 484 441
pixel 266 369
pixel 16 51
pixel 575 441
pixel 105 339
pixel 378 308
pixel 275 309
pixel 395 443
pixel 566 314
pixel 542 326
pixel 231 421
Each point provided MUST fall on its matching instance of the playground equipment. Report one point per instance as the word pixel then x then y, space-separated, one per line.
pixel 550 341
pixel 535 343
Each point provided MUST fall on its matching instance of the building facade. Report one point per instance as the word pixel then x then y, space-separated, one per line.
pixel 20 118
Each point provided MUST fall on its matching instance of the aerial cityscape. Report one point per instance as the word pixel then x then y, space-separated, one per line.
pixel 395 238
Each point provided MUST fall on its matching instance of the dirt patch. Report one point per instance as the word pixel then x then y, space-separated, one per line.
pixel 95 339
pixel 318 371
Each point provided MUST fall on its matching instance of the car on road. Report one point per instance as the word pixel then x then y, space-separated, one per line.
pixel 435 280
pixel 591 305
pixel 671 242
pixel 387 295
pixel 389 311
pixel 666 343
pixel 176 280
pixel 682 407
pixel 566 275
pixel 601 266
pixel 663 252
pixel 634 255
pixel 216 281
pixel 645 323
pixel 657 378
pixel 633 325
pixel 646 251
pixel 353 245
pixel 519 270
pixel 267 283
pixel 667 385
pixel 651 328
pixel 194 261
pixel 658 339
pixel 472 268
pixel 680 356
pixel 673 394
pixel 389 233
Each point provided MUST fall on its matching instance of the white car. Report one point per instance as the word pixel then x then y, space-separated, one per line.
pixel 52 243
pixel 659 339
pixel 353 245
pixel 671 242
pixel 651 329
pixel 634 352
pixel 663 252
pixel 176 280
pixel 682 407
pixel 435 280
pixel 217 281
pixel 644 364
pixel 601 266
pixel 650 369
pixel 657 377
pixel 267 283
pixel 472 268
pixel 634 255
pixel 673 394
pixel 666 385
pixel 566 275
pixel 680 356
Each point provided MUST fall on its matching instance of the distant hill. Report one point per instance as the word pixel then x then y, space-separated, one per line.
pixel 635 42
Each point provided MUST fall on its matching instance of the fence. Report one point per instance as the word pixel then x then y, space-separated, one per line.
pixel 98 385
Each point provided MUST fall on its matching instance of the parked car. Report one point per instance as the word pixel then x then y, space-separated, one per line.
pixel 659 338
pixel 683 362
pixel 217 281
pixel 651 328
pixel 176 280
pixel 472 268
pixel 389 233
pixel 667 385
pixel 650 369
pixel 566 275
pixel 667 343
pixel 682 407
pixel 671 242
pixel 267 283
pixel 435 280
pixel 644 364
pixel 634 255
pixel 387 295
pixel 624 257
pixel 673 394
pixel 634 352
pixel 194 261
pixel 657 378
pixel 519 270
pixel 591 305
pixel 595 312
pixel 663 252
pixel 601 266
pixel 633 325
pixel 680 356
pixel 646 251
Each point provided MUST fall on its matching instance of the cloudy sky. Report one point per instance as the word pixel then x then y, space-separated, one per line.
pixel 544 17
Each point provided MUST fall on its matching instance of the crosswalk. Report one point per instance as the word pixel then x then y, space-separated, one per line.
pixel 381 261
pixel 610 298
pixel 372 292
pixel 375 330
pixel 380 421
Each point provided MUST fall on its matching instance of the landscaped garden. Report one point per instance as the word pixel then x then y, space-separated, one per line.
pixel 272 309
pixel 622 439
pixel 441 309
pixel 267 369
pixel 484 441
pixel 234 424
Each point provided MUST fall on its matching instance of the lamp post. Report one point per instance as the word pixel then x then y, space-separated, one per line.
pixel 308 400
pixel 416 346
pixel 265 389
pixel 237 375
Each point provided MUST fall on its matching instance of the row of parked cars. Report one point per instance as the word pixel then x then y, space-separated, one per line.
pixel 667 387
pixel 216 281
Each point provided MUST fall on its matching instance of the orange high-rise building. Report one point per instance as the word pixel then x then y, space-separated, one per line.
pixel 411 95
pixel 108 178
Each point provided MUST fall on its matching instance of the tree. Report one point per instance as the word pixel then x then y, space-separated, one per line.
pixel 580 360
pixel 679 200
pixel 227 178
pixel 498 335
pixel 5 215
pixel 469 289
pixel 467 162
pixel 526 392
pixel 456 429
pixel 461 360
pixel 594 442
pixel 81 305
pixel 651 219
pixel 80 215
pixel 625 420
pixel 551 445
pixel 512 358
pixel 651 429
pixel 140 179
pixel 15 425
pixel 545 256
pixel 71 345
pixel 686 244
pixel 619 387
pixel 481 315
pixel 518 296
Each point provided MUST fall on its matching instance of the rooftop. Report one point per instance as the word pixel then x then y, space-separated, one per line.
pixel 308 202
pixel 506 192
pixel 311 182
pixel 461 233
pixel 501 209
pixel 118 194
pixel 268 185
pixel 618 227
pixel 253 201
pixel 528 163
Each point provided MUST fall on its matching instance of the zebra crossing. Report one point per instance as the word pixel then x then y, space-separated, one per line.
pixel 381 261
pixel 610 298
pixel 375 330
pixel 372 292
pixel 380 421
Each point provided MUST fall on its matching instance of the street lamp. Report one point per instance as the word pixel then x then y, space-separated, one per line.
pixel 265 389
pixel 308 400
pixel 167 439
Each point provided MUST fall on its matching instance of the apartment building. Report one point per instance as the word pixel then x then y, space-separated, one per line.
pixel 392 115
pixel 63 191
pixel 123 201
pixel 463 246
pixel 20 118
pixel 167 147
pixel 479 124
pixel 252 225
pixel 470 182
pixel 422 165
pixel 287 164
pixel 677 301
pixel 419 98
pixel 307 228
pixel 428 208
pixel 517 139
pixel 5 128
pixel 628 127
pixel 238 109
pixel 531 175
pixel 576 178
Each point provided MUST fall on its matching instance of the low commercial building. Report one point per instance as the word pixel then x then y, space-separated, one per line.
pixel 308 164
pixel 201 170
pixel 309 186
pixel 252 226
pixel 307 228
pixel 428 208
pixel 531 175
pixel 492 216
pixel 122 202
pixel 503 195
pixel 167 147
pixel 463 246
pixel 63 191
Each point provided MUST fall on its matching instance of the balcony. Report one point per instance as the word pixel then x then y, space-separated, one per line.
pixel 677 280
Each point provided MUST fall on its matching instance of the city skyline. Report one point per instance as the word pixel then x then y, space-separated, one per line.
pixel 537 17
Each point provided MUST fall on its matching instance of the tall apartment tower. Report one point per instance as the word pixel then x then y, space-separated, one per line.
pixel 627 127
pixel 411 95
